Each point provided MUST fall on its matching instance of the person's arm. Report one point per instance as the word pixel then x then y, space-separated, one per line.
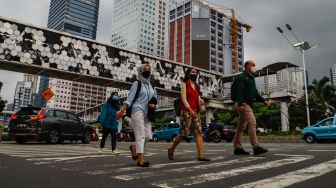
pixel 103 113
pixel 129 100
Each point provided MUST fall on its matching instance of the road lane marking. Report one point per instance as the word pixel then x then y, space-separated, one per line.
pixel 184 169
pixel 318 150
pixel 294 177
pixel 156 166
pixel 208 177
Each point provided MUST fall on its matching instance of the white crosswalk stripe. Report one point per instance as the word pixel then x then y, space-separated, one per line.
pixel 294 177
pixel 208 177
pixel 184 169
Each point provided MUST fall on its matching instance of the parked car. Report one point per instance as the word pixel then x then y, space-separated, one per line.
pixel 321 131
pixel 48 124
pixel 168 132
pixel 218 132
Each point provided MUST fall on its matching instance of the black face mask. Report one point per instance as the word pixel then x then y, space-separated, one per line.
pixel 146 74
pixel 193 77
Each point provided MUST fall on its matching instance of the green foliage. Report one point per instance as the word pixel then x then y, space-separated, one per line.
pixel 161 121
pixel 267 117
pixel 125 123
pixel 2 102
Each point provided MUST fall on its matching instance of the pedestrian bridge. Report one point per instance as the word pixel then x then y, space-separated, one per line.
pixel 44 52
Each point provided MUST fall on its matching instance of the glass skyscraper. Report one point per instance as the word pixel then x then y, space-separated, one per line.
pixel 78 17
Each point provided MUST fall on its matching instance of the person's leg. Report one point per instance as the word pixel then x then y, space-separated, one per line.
pixel 197 126
pixel 251 125
pixel 241 126
pixel 114 138
pixel 184 131
pixel 139 133
pixel 105 134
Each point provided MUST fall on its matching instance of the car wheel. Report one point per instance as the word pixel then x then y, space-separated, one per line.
pixel 20 140
pixel 155 139
pixel 86 138
pixel 54 137
pixel 309 138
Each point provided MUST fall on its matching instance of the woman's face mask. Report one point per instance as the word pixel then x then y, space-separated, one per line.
pixel 193 77
pixel 146 74
pixel 253 69
pixel 115 97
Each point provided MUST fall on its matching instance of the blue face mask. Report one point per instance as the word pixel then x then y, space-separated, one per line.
pixel 115 97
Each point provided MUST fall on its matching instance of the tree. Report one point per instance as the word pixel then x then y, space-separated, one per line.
pixel 2 102
pixel 267 117
pixel 298 114
pixel 325 93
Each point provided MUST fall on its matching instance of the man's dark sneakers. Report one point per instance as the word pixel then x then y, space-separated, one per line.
pixel 240 151
pixel 259 150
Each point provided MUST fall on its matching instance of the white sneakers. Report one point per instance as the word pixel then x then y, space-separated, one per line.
pixel 115 152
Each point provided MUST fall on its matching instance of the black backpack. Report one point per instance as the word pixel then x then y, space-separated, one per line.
pixel 234 90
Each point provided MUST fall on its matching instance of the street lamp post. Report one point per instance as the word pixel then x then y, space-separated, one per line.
pixel 303 47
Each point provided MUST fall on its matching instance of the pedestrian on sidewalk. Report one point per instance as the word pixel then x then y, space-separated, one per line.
pixel 246 94
pixel 190 117
pixel 109 121
pixel 140 105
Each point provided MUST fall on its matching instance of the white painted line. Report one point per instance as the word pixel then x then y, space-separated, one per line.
pixel 184 169
pixel 294 177
pixel 214 150
pixel 318 150
pixel 187 181
pixel 290 155
pixel 156 166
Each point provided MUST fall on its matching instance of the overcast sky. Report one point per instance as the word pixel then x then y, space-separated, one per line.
pixel 312 20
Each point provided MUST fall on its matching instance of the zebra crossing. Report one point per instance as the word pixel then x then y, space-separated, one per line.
pixel 183 172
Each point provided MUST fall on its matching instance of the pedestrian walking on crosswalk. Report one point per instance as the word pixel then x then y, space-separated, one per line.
pixel 138 100
pixel 190 117
pixel 246 94
pixel 109 121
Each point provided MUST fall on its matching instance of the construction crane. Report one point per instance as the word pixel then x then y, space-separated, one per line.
pixel 234 40
pixel 234 24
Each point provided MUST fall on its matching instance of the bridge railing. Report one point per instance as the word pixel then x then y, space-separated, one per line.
pixel 40 51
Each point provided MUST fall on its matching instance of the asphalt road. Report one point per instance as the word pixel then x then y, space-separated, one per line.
pixel 297 165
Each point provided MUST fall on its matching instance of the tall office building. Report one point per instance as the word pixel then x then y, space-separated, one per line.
pixel 333 75
pixel 23 94
pixel 142 26
pixel 77 17
pixel 80 18
pixel 199 35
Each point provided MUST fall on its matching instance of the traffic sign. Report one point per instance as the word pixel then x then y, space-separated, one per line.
pixel 47 94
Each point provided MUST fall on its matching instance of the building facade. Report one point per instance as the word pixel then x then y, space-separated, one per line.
pixel 199 35
pixel 333 75
pixel 289 79
pixel 77 17
pixel 23 95
pixel 142 25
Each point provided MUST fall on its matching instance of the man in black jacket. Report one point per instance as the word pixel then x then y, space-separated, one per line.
pixel 246 95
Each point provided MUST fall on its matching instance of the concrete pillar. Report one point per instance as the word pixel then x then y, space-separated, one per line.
pixel 208 115
pixel 284 116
